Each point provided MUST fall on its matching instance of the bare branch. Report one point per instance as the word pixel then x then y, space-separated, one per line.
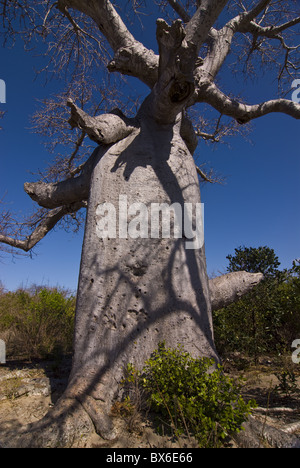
pixel 103 129
pixel 245 18
pixel 180 10
pixel 243 113
pixel 106 17
pixel 67 192
pixel 209 175
pixel 266 22
pixel 204 176
pixel 46 225
pixel 131 57
pixel 269 31
pixel 198 29
pixel 230 288
pixel 221 41
pixel 72 148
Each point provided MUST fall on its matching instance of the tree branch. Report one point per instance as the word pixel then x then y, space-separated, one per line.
pixel 131 56
pixel 46 225
pixel 219 49
pixel 199 27
pixel 268 31
pixel 221 41
pixel 204 176
pixel 245 18
pixel 138 62
pixel 180 10
pixel 175 84
pixel 106 17
pixel 244 113
pixel 229 288
pixel 67 192
pixel 103 129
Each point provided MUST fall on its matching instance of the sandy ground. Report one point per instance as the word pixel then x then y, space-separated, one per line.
pixel 28 390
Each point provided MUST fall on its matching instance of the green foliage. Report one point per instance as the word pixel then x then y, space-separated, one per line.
pixel 254 260
pixel 37 322
pixel 267 320
pixel 287 383
pixel 192 396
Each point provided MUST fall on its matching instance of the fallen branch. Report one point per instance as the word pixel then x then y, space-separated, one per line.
pixel 275 410
pixel 291 428
pixel 259 435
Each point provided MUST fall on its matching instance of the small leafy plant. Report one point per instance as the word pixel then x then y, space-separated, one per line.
pixel 192 396
pixel 287 383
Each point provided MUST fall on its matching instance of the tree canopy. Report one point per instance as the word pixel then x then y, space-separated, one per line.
pixel 254 260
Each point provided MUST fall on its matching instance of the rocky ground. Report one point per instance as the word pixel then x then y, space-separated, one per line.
pixel 28 390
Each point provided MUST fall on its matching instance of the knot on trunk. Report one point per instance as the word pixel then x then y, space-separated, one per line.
pixel 180 91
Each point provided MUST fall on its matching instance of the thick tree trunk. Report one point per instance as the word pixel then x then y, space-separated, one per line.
pixel 135 293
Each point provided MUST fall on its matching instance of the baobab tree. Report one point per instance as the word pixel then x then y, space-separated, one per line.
pixel 138 286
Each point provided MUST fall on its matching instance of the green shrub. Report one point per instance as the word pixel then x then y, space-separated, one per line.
pixel 191 397
pixel 37 322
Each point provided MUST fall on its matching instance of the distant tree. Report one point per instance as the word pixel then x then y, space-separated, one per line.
pixel 254 260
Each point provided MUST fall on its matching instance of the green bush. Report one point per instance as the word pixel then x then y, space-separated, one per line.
pixel 191 396
pixel 37 322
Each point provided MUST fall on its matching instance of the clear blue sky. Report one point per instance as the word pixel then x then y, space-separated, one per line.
pixel 258 205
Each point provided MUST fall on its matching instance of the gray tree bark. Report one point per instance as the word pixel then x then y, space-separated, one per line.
pixel 135 293
pixel 226 289
pixel 132 293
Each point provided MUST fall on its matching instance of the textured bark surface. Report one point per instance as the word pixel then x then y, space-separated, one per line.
pixel 134 293
pixel 230 288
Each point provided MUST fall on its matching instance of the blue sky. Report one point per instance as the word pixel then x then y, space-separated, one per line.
pixel 257 205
